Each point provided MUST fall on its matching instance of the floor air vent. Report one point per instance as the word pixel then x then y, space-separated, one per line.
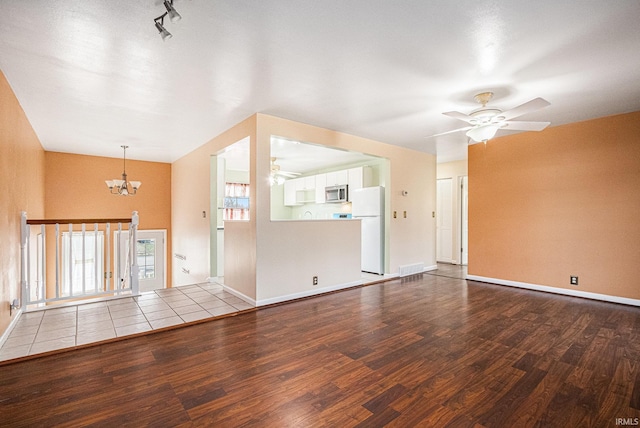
pixel 413 269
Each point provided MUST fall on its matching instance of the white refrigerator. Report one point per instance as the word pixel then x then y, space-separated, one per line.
pixel 367 204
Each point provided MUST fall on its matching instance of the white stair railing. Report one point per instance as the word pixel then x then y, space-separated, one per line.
pixel 82 260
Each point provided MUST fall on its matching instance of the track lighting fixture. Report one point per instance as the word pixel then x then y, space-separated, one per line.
pixel 173 17
pixel 173 14
pixel 163 31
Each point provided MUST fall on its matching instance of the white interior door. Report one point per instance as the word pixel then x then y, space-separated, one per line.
pixel 151 256
pixel 444 220
pixel 464 220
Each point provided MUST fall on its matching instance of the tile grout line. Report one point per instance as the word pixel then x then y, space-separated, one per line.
pixel 179 292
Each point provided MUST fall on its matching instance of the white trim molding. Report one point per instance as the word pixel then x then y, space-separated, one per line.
pixel 555 290
pixel 309 293
pixel 12 324
pixel 238 294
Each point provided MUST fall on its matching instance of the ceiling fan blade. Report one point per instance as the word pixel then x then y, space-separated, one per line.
pixel 457 115
pixel 288 174
pixel 516 125
pixel 466 128
pixel 528 107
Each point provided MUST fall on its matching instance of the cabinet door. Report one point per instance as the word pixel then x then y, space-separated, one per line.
pixel 337 178
pixel 290 192
pixel 299 183
pixel 355 179
pixel 359 178
pixel 321 183
pixel 310 183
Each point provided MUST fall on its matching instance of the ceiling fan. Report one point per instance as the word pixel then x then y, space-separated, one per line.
pixel 486 121
pixel 277 175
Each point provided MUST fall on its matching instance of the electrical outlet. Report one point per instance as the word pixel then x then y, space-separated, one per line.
pixel 574 280
pixel 315 280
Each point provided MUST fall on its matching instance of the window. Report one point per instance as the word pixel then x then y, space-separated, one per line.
pixel 236 201
pixel 146 253
pixel 82 265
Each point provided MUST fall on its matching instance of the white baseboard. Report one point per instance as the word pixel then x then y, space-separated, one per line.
pixel 430 268
pixel 308 293
pixel 10 327
pixel 239 295
pixel 555 290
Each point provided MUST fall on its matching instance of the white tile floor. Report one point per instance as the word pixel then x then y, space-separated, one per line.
pixel 51 329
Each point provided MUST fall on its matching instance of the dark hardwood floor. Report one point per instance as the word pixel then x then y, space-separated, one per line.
pixel 425 351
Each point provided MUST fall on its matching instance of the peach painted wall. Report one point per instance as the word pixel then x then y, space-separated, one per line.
pixel 75 188
pixel 565 201
pixel 269 276
pixel 22 170
pixel 191 231
pixel 411 239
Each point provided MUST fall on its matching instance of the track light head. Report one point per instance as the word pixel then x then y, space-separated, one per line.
pixel 163 31
pixel 173 14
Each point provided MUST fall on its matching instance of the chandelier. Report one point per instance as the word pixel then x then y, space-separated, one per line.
pixel 123 187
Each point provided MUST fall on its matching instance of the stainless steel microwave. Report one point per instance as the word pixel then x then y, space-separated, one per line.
pixel 334 194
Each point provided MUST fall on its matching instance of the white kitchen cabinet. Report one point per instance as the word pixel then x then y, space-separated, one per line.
pixel 321 183
pixel 310 189
pixel 310 183
pixel 299 191
pixel 336 178
pixel 290 189
pixel 358 178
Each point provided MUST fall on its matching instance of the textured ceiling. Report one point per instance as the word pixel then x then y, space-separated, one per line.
pixel 92 75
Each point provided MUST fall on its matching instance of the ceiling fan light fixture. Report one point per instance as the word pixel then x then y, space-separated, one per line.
pixel 275 179
pixel 483 133
pixel 486 121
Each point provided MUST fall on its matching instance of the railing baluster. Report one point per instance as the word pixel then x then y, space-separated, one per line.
pixel 70 259
pixel 58 267
pixel 84 259
pixel 108 275
pixel 43 271
pixel 133 233
pixel 118 245
pixel 28 251
pixel 96 270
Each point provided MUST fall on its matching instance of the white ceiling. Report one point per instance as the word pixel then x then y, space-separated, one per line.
pixel 93 75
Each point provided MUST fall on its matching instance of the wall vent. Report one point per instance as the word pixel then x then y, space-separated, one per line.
pixel 406 270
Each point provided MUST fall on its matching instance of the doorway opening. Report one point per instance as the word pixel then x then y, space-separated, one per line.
pixel 444 221
pixel 229 199
pixel 151 254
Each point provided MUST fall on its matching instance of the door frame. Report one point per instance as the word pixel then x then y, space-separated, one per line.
pixel 440 208
pixel 463 182
pixel 164 248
